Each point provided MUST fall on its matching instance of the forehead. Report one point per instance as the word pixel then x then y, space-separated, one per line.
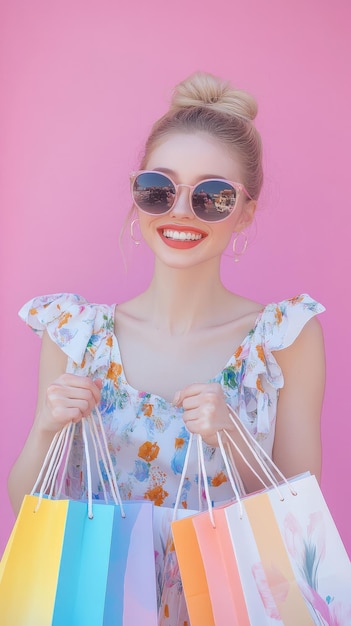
pixel 192 156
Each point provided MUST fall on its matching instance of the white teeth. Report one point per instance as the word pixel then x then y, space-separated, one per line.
pixel 181 235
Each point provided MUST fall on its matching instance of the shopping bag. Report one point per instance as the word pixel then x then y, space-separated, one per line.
pixel 64 568
pixel 192 572
pixel 210 573
pixel 269 584
pixel 284 562
pixel 208 568
pixel 221 569
pixel 79 563
pixel 313 545
pixel 170 598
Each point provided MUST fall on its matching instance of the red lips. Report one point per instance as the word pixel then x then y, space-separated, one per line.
pixel 181 237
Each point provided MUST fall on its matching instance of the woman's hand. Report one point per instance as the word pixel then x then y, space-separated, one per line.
pixel 62 398
pixel 205 410
pixel 68 399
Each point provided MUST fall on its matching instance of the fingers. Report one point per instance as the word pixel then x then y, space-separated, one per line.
pixel 69 399
pixel 79 384
pixel 205 410
pixel 193 391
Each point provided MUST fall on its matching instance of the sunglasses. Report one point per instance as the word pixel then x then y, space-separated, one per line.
pixel 211 200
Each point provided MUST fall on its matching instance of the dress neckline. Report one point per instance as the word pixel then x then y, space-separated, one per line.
pixel 219 375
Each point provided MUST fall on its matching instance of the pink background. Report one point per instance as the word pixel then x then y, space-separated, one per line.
pixel 81 82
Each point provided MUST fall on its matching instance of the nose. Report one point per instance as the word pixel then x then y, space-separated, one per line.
pixel 182 206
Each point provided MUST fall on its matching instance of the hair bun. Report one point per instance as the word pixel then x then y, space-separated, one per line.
pixel 205 90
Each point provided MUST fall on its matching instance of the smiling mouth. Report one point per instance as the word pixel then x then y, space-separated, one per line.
pixel 181 235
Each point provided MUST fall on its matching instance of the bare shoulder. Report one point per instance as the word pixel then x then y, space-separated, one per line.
pixel 310 335
pixel 308 347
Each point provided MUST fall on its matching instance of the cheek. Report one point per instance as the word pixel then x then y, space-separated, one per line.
pixel 226 235
pixel 144 225
pixel 220 236
pixel 143 218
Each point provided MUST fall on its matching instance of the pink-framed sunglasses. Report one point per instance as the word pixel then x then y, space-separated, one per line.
pixel 211 200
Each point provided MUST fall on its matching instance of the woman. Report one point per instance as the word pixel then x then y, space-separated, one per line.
pixel 167 362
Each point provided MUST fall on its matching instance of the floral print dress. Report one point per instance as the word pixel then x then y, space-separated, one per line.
pixel 146 435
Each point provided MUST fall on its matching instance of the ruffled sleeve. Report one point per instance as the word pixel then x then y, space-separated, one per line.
pixel 277 327
pixel 82 330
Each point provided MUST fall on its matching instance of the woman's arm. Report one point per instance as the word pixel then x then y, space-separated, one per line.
pixel 62 398
pixel 297 443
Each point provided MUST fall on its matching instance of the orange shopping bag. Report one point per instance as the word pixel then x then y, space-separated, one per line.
pixel 193 573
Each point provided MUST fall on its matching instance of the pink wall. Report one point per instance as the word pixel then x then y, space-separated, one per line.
pixel 81 83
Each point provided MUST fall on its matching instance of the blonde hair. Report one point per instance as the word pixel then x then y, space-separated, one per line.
pixel 203 102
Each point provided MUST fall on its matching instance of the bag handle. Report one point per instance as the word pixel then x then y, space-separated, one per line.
pixel 203 475
pixel 268 467
pixel 59 452
pixel 100 444
pixel 263 459
pixel 53 460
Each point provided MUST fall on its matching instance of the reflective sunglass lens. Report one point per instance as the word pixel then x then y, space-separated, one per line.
pixel 153 193
pixel 214 200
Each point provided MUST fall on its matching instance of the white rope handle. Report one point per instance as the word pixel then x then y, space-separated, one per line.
pixel 109 469
pixel 51 465
pixel 62 454
pixel 260 455
pixel 97 461
pixel 48 461
pixel 202 477
pixel 263 459
pixel 200 452
pixel 101 444
pixel 182 478
pixel 59 452
pixel 72 430
pixel 237 477
pixel 87 459
pixel 247 463
pixel 229 472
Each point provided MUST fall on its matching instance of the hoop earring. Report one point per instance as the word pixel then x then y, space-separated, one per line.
pixel 238 253
pixel 131 232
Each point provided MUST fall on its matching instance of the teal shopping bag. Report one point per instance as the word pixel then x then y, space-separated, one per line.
pixel 107 572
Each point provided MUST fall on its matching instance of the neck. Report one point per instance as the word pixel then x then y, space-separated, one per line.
pixel 180 300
